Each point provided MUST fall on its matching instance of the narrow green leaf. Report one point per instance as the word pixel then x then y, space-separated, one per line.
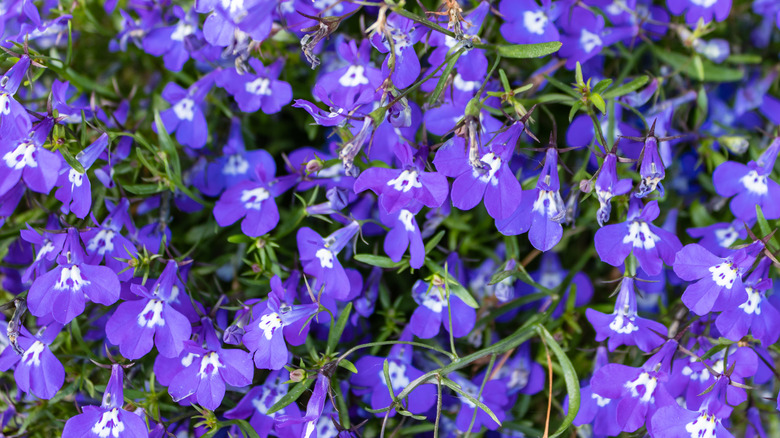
pixel 347 365
pixel 709 71
pixel 71 160
pixel 504 80
pixel 380 261
pixel 574 108
pixel 764 226
pixel 598 102
pixel 569 377
pixel 334 335
pixel 292 395
pixel 744 58
pixel 143 189
pixel 434 241
pixel 578 78
pixel 624 89
pixel 528 50
pixel 443 78
pixel 700 115
pixel 455 387
pixel 561 86
pixel 167 145
pixel 601 86
pixel 239 238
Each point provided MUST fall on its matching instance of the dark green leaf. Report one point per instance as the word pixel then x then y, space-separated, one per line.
pixel 293 394
pixel 334 335
pixel 443 78
pixel 764 226
pixel 143 189
pixel 434 241
pixel 455 387
pixel 347 365
pixel 624 89
pixel 528 50
pixel 380 261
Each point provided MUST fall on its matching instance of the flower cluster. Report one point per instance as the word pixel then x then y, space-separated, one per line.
pixel 326 218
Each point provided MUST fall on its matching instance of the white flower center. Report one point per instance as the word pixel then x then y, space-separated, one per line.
pixel 589 40
pixel 464 85
pixel 253 199
pixel 433 300
pixel 33 354
pixel 549 204
pixel 701 376
pixel 183 109
pixel 397 373
pixel 406 181
pixel 236 165
pixel 183 30
pixel 75 177
pixel 623 324
pixel 187 360
pixel 640 236
pixel 326 257
pixel 45 249
pixel 109 425
pixel 647 383
pixel 704 425
pixel 407 218
pixel 704 3
pixel 233 6
pixel 22 156
pixel 755 183
pixel 152 314
pixel 724 274
pixel 494 163
pixel 260 87
pixel 102 243
pixel 726 236
pixel 70 278
pixel 601 401
pixel 753 304
pixel 353 76
pixel 210 365
pixel 535 21
pixel 269 323
pixel 267 398
pixel 5 104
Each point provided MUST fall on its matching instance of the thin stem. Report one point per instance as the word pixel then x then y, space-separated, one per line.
pixel 438 407
pixel 479 394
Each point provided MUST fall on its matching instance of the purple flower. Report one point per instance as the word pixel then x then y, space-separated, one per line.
pixel 174 42
pixel 62 292
pixel 608 186
pixel 313 409
pixel 756 314
pixel 599 411
pixel 623 326
pixel 401 188
pixel 651 245
pixel 256 403
pixel 357 75
pixel 75 191
pixel 254 201
pixel 109 419
pixel 472 64
pixel 494 396
pixel 719 286
pixel 47 247
pixel 751 184
pixel 233 19
pixel 185 116
pixel 717 238
pixel 26 159
pixel 492 180
pixel 404 233
pixel 707 421
pixel 37 369
pixel 320 258
pixel 520 374
pixel 434 308
pixel 135 323
pixel 546 206
pixel 402 65
pixel 527 22
pixel 695 10
pixel 14 121
pixel 261 91
pixel 585 35
pixel 107 244
pixel 264 336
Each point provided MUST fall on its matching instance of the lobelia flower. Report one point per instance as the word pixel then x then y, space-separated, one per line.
pixel 107 244
pixel 14 120
pixel 265 335
pixel 528 22
pixel 494 396
pixel 26 159
pixel 404 233
pixel 258 401
pixel 62 292
pixel 47 247
pixel 320 258
pixel 756 314
pixel 185 116
pixel 135 323
pixel 402 66
pixel 37 369
pixel 521 374
pixel 717 238
pixel 356 75
pixel 585 35
pixel 707 421
pixel 608 186
pixel 261 91
pixel 492 180
pixel 313 409
pixel 751 184
pixel 109 419
pixel 651 245
pixel 719 286
pixel 174 42
pixel 696 10
pixel 254 200
pixel 75 191
pixel 201 374
pixel 623 326
pixel 638 392
pixel 371 377
pixel 233 18
pixel 599 411
pixel 434 309
pixel 547 210
pixel 403 188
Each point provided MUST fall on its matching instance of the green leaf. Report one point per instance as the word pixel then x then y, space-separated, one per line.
pixel 504 80
pixel 452 284
pixel 578 75
pixel 347 365
pixel 598 102
pixel 574 108
pixel 706 70
pixel 334 335
pixel 744 58
pixel 143 189
pixel 601 86
pixel 381 261
pixel 528 50
pixel 569 377
pixel 292 395
pixel 455 387
pixel 700 114
pixel 434 241
pixel 71 160
pixel 167 145
pixel 443 78
pixel 624 89
pixel 239 238
pixel 764 226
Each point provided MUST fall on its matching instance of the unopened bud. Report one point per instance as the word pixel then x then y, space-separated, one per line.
pixel 586 186
pixel 314 166
pixel 298 375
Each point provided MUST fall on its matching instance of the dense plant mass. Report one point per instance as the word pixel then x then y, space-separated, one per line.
pixel 318 218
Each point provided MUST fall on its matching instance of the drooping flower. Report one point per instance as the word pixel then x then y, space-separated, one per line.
pixel 624 326
pixel 62 292
pixel 608 186
pixel 265 333
pixel 652 246
pixel 320 258
pixel 37 369
pixel 135 323
pixel 402 65
pixel 108 419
